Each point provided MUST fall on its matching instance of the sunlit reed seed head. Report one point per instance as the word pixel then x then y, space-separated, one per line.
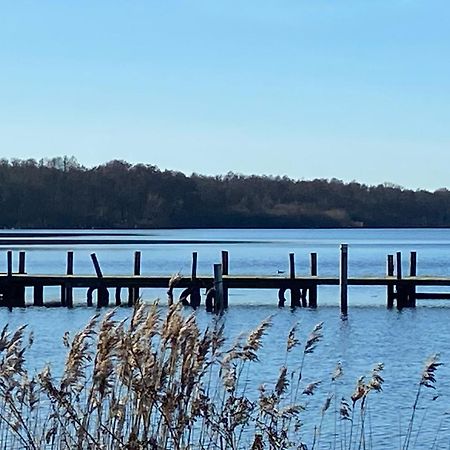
pixel 428 374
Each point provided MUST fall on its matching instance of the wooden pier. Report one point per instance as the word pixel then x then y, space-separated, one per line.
pixel 301 291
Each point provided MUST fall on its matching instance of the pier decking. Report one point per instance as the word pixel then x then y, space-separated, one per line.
pixel 300 290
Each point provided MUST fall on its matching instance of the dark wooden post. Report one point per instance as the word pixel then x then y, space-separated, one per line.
pixel 118 299
pixel 225 269
pixel 295 293
pixel 412 273
pixel 38 295
pixel 98 270
pixel 22 262
pixel 390 287
pixel 195 297
pixel 399 265
pixel 343 280
pixel 9 262
pixel 19 291
pixel 133 292
pixel 102 291
pixel 68 290
pixel 413 264
pixel 313 288
pixel 218 287
pixel 401 294
pixel 194 266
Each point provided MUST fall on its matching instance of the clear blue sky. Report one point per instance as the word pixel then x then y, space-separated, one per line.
pixel 354 89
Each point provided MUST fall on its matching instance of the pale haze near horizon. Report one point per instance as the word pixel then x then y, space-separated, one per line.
pixel 355 90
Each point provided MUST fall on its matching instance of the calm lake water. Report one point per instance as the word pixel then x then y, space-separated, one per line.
pixel 401 340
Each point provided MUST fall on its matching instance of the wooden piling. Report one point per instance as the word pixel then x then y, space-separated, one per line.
pixel 19 289
pixel 194 266
pixel 69 266
pixel 390 287
pixel 117 296
pixel 313 288
pixel 38 295
pixel 98 270
pixel 413 264
pixel 400 287
pixel 411 301
pixel 66 289
pixel 225 271
pixel 399 265
pixel 68 286
pixel 343 279
pixel 133 292
pixel 9 262
pixel 195 296
pixel 218 287
pixel 295 293
pixel 102 291
pixel 21 262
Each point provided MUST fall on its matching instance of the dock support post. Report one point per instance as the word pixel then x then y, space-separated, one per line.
pixel 118 299
pixel 390 287
pixel 9 262
pixel 401 291
pixel 295 293
pixel 313 288
pixel 38 295
pixel 343 280
pixel 21 262
pixel 69 271
pixel 218 287
pixel 412 273
pixel 195 297
pixel 67 287
pixel 133 292
pixel 102 291
pixel 225 271
pixel 19 291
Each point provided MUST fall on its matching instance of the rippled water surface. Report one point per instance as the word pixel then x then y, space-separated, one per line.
pixel 402 340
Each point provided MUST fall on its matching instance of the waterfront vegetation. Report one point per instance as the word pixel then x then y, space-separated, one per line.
pixel 60 193
pixel 157 381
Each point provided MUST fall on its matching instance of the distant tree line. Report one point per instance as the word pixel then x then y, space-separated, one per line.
pixel 60 193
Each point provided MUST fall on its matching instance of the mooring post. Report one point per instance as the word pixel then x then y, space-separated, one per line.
pixel 343 280
pixel 313 288
pixel 390 287
pixel 218 287
pixel 8 293
pixel 401 294
pixel 412 273
pixel 38 295
pixel 133 292
pixel 195 296
pixel 225 271
pixel 102 291
pixel 194 266
pixel 98 270
pixel 19 291
pixel 295 293
pixel 118 299
pixel 67 287
pixel 9 262
pixel 21 262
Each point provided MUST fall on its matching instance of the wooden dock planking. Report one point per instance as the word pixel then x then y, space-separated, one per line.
pixel 231 281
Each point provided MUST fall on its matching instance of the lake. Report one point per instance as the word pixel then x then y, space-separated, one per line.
pixel 402 340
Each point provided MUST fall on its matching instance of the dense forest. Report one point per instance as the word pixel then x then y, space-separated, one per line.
pixel 60 193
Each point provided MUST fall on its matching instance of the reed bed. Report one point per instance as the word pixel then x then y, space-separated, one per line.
pixel 157 381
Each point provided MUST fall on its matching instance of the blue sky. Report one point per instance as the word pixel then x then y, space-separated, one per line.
pixel 356 90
